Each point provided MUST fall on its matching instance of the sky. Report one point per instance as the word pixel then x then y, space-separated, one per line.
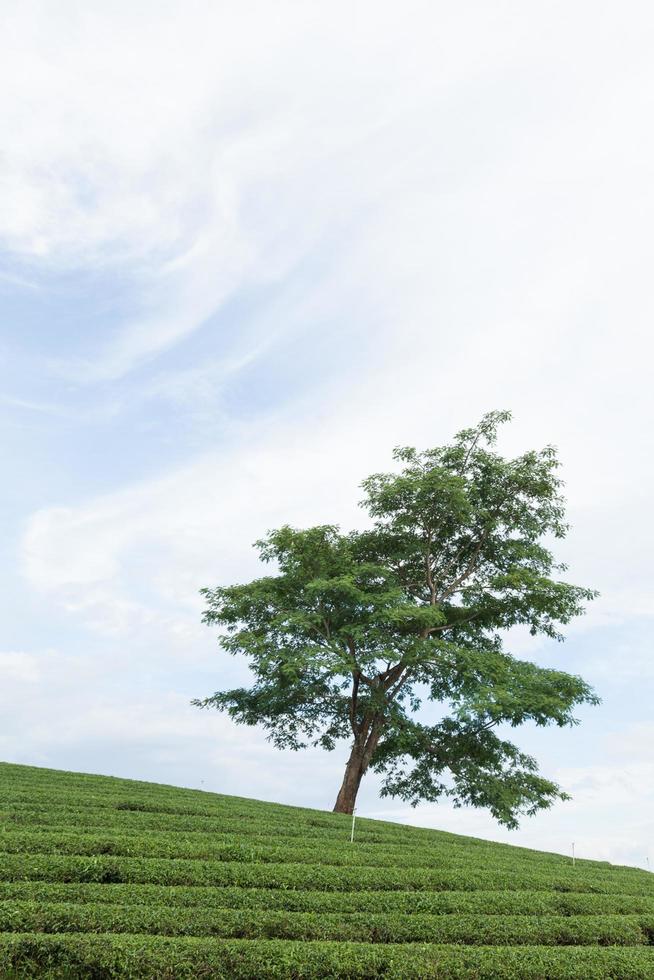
pixel 245 250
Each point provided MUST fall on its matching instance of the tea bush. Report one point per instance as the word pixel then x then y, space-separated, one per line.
pixel 104 878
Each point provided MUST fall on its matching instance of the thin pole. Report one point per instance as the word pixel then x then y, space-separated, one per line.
pixel 352 831
pixel 573 854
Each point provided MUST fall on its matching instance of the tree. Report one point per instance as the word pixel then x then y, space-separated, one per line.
pixel 356 631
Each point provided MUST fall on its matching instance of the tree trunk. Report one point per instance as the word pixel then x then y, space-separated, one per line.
pixel 354 771
pixel 360 757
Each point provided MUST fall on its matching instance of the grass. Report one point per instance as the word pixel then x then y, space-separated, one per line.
pixel 103 877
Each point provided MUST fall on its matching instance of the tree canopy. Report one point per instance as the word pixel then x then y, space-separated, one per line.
pixel 394 636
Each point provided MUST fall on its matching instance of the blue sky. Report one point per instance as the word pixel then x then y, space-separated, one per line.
pixel 238 264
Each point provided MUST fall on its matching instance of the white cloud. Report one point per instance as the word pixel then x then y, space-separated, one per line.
pixel 152 546
pixel 19 666
pixel 204 148
pixel 186 147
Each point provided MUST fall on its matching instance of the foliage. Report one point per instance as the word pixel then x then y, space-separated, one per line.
pixel 291 897
pixel 130 957
pixel 521 902
pixel 370 927
pixel 355 630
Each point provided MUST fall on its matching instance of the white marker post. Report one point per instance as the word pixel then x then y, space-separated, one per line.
pixel 352 831
pixel 573 854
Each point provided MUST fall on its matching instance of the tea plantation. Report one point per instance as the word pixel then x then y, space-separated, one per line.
pixel 103 877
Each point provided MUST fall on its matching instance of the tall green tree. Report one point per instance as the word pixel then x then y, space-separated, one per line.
pixel 354 633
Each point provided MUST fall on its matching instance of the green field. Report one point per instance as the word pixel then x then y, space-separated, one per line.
pixel 103 877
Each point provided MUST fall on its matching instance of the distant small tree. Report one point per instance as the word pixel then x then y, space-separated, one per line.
pixel 356 631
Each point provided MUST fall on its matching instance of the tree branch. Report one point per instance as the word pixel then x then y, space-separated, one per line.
pixel 471 449
pixel 448 626
pixel 401 681
pixel 468 570
pixel 430 577
pixel 356 677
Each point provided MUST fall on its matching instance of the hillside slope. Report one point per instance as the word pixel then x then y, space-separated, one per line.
pixel 104 877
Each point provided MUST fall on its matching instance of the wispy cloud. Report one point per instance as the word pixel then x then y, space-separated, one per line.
pixel 217 156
